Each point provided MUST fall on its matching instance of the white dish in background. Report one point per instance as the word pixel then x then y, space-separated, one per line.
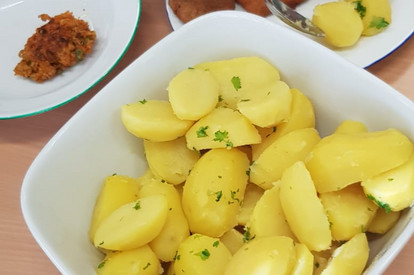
pixel 58 193
pixel 115 25
pixel 369 50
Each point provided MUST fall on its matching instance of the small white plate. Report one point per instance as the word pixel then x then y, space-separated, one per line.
pixel 369 50
pixel 115 24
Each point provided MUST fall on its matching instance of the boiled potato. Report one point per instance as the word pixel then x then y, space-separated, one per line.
pixel 350 126
pixel 214 191
pixel 383 221
pixel 193 93
pixel 201 255
pixel 233 240
pixel 240 75
pixel 265 256
pixel 350 258
pixel 267 218
pixel 304 261
pixel 349 211
pixel 377 16
pixel 301 116
pixel 170 160
pixel 116 191
pixel 392 190
pixel 282 153
pixel 339 160
pixel 340 22
pixel 303 209
pixel 222 128
pixel 133 224
pixel 175 229
pixel 251 196
pixel 267 106
pixel 153 120
pixel 138 261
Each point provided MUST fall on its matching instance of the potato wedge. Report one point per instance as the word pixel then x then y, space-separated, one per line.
pixel 133 224
pixel 303 209
pixel 193 93
pixel 170 160
pixel 340 22
pixel 138 261
pixel 304 261
pixel 350 258
pixel 153 120
pixel 377 16
pixel 214 191
pixel 116 191
pixel 339 160
pixel 350 126
pixel 269 255
pixel 383 221
pixel 240 75
pixel 201 255
pixel 251 196
pixel 282 153
pixel 222 128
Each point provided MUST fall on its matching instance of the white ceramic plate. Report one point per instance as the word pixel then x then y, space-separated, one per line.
pixel 369 50
pixel 115 24
pixel 58 193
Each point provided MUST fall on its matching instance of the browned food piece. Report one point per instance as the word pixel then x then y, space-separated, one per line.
pixel 255 6
pixel 56 46
pixel 293 3
pixel 187 10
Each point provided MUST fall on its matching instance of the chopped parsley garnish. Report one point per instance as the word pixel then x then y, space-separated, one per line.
pixel 235 80
pixel 218 194
pixel 137 205
pixel 223 136
pixel 361 9
pixel 317 265
pixel 378 22
pixel 233 197
pixel 390 179
pixel 177 256
pixel 79 55
pixel 362 228
pixel 101 243
pixel 245 100
pixel 381 204
pixel 247 236
pixel 143 101
pixel 145 267
pixel 248 172
pixel 204 255
pixel 101 264
pixel 201 132
pixel 216 244
pixel 220 98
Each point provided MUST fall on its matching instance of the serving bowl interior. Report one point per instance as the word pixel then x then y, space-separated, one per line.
pixel 60 188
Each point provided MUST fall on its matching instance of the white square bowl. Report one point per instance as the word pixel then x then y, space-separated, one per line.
pixel 60 187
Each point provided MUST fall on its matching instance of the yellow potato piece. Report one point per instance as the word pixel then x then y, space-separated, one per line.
pixel 175 229
pixel 377 16
pixel 282 153
pixel 214 191
pixel 116 191
pixel 268 218
pixel 303 209
pixel 222 128
pixel 233 240
pixel 139 261
pixel 349 211
pixel 383 221
pixel 153 120
pixel 340 22
pixel 170 160
pixel 339 160
pixel 304 261
pixel 350 126
pixel 193 93
pixel 350 258
pixel 267 106
pixel 392 190
pixel 265 256
pixel 133 224
pixel 302 115
pixel 240 75
pixel 251 196
pixel 201 255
